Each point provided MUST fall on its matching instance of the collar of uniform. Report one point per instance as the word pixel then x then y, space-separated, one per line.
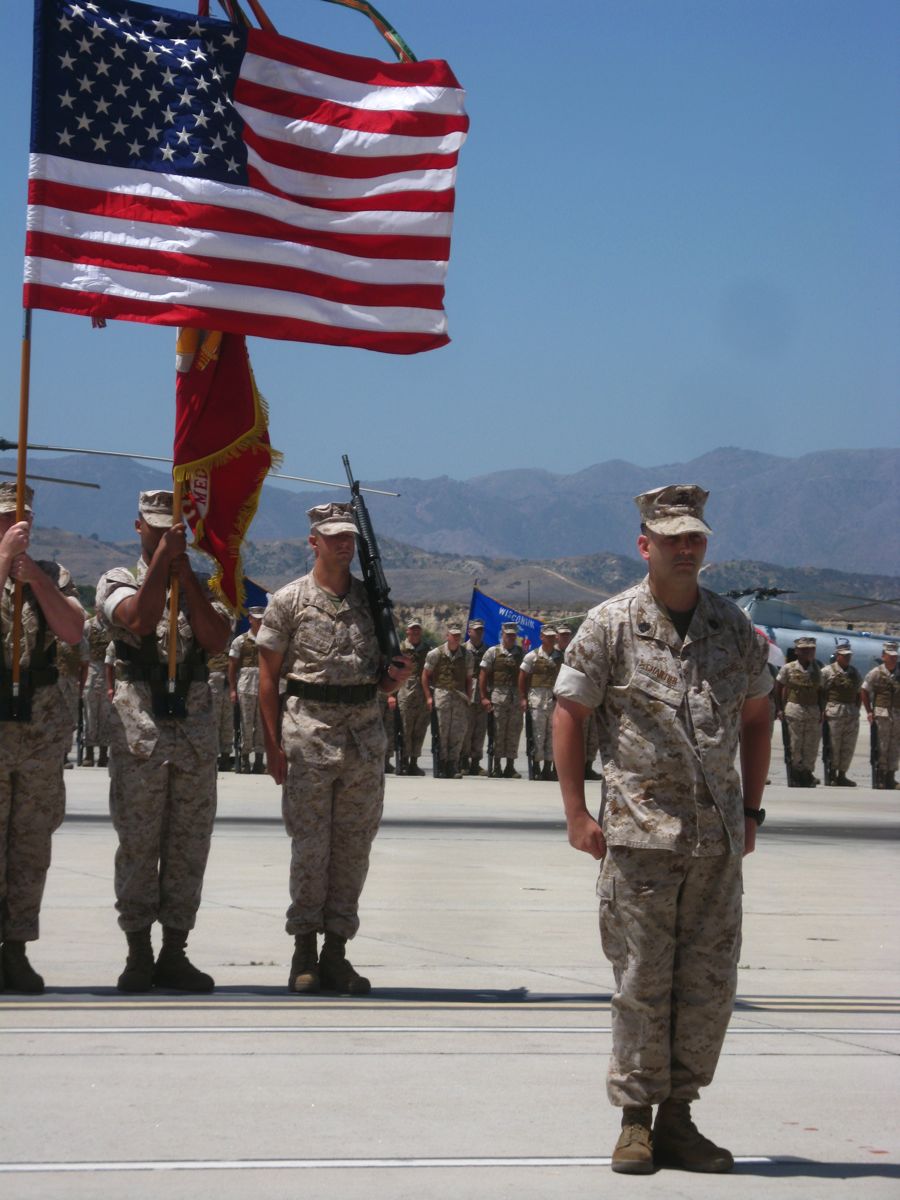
pixel 651 620
pixel 325 600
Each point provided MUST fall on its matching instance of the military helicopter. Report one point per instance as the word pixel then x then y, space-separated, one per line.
pixel 782 623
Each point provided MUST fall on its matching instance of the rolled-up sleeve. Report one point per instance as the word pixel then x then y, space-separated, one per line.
pixel 275 631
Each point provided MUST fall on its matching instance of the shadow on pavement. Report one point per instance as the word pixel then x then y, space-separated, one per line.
pixel 789 1168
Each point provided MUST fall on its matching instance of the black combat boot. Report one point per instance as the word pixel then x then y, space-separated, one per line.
pixel 258 764
pixel 590 773
pixel 843 781
pixel 103 759
pixel 173 967
pixel 547 773
pixel 510 771
pixel 304 976
pixel 88 759
pixel 335 971
pixel 388 767
pixel 224 762
pixel 496 771
pixel 245 764
pixel 18 973
pixel 677 1142
pixel 414 768
pixel 633 1154
pixel 475 767
pixel 138 973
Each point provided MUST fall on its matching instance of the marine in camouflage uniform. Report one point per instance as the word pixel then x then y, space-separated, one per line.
pixel 223 709
pixel 476 729
pixel 449 671
pixel 537 677
pixel 70 662
pixel 499 681
pixel 679 674
pixel 841 683
pixel 243 681
pixel 162 795
pixel 33 749
pixel 328 751
pixel 798 698
pixel 881 696
pixel 413 709
pixel 97 710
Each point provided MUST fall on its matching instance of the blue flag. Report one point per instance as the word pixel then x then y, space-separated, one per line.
pixel 494 614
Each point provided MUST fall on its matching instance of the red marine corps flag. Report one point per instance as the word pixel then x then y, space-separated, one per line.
pixel 222 451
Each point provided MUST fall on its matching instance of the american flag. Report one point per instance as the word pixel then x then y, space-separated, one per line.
pixel 185 171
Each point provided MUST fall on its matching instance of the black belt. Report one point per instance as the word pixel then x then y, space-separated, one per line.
pixel 329 693
pixel 159 672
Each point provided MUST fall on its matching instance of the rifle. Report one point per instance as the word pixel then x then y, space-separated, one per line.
pixel 435 740
pixel 79 733
pixel 827 761
pixel 529 743
pixel 238 736
pixel 786 742
pixel 874 755
pixel 373 575
pixel 399 742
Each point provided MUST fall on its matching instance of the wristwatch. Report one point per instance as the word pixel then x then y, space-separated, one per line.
pixel 756 814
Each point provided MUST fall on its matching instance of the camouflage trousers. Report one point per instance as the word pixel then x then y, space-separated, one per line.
pixel 888 724
pixel 508 718
pixel 223 711
pixel 32 806
pixel 97 709
pixel 476 731
pixel 252 740
pixel 163 808
pixel 843 725
pixel 540 701
pixel 414 715
pixel 671 927
pixel 805 729
pixel 452 710
pixel 331 814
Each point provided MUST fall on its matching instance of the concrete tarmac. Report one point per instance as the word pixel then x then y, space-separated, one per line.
pixel 476 1067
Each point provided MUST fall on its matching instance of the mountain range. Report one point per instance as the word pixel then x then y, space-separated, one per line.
pixel 835 509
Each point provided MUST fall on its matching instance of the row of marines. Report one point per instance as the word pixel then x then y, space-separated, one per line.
pixel 816 703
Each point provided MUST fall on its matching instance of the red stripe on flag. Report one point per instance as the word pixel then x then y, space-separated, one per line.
pixel 386 202
pixel 343 166
pixel 147 312
pixel 218 219
pixel 264 276
pixel 342 116
pixel 430 73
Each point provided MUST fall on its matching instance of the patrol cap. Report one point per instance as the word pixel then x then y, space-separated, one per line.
pixel 548 630
pixel 676 508
pixel 414 623
pixel 331 519
pixel 454 627
pixel 156 508
pixel 476 624
pixel 842 647
pixel 510 627
pixel 258 610
pixel 8 498
pixel 804 643
pixel 890 647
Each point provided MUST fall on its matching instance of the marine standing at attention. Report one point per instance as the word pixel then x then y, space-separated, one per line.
pixel 163 748
pixel 679 674
pixel 327 752
pixel 32 750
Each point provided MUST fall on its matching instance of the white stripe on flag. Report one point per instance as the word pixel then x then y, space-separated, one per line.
pixel 236 247
pixel 370 97
pixel 197 293
pixel 333 187
pixel 332 139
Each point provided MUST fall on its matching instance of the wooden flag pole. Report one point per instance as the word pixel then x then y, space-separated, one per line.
pixel 177 516
pixel 21 460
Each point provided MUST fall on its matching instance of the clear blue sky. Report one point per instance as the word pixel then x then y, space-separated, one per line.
pixel 676 229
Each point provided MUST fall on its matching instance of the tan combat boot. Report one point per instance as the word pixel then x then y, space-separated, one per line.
pixel 335 971
pixel 633 1154
pixel 677 1142
pixel 304 976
